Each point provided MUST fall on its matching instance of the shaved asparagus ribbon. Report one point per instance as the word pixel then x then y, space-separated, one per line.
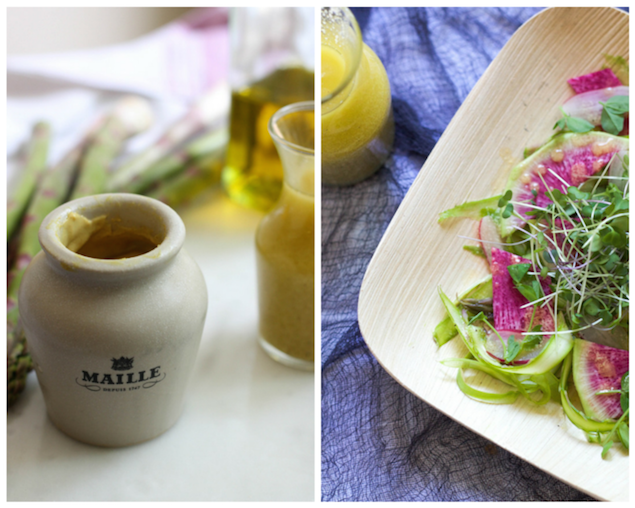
pixel 578 418
pixel 525 385
pixel 446 330
pixel 528 379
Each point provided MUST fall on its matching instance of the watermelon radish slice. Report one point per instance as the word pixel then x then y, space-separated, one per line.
pixel 587 105
pixel 489 236
pixel 594 81
pixel 567 160
pixel 509 318
pixel 596 368
pixel 507 300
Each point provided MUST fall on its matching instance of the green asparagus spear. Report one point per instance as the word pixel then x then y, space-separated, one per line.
pixel 52 191
pixel 212 142
pixel 35 164
pixel 210 110
pixel 198 176
pixel 130 116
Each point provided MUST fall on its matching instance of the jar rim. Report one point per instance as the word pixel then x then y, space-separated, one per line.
pixel 142 208
pixel 356 54
pixel 286 110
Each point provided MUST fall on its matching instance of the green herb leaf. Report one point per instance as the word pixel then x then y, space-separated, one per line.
pixel 505 198
pixel 507 212
pixel 579 125
pixel 612 122
pixel 614 237
pixel 606 317
pixel 575 193
pixel 591 307
pixel 527 285
pixel 556 196
pixel 618 104
pixel 480 315
pixel 560 124
pixel 596 243
pixel 512 350
pixel 531 341
pixel 612 261
pixel 518 271
pixel 527 291
pixel 573 123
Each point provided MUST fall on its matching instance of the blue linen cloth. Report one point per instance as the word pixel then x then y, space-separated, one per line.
pixel 380 442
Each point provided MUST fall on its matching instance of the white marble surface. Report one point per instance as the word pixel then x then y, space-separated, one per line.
pixel 247 432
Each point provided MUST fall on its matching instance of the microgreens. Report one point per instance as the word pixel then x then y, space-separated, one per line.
pixel 504 203
pixel 581 241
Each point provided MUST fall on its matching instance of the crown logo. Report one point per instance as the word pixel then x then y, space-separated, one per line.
pixel 122 363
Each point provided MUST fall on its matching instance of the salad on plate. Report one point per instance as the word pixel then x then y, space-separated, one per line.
pixel 551 322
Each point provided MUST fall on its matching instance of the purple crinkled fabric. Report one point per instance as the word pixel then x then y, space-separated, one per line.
pixel 380 442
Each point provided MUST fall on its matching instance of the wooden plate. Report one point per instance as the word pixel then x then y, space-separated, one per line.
pixel 513 106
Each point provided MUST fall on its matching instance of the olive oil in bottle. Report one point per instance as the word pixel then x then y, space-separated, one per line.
pixel 253 172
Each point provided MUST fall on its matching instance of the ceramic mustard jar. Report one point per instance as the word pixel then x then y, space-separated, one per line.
pixel 113 310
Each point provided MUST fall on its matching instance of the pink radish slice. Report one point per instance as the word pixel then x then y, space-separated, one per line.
pixel 597 368
pixel 568 159
pixel 594 81
pixel 587 105
pixel 489 236
pixel 507 300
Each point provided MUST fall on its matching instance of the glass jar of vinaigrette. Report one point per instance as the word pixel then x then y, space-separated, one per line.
pixel 357 119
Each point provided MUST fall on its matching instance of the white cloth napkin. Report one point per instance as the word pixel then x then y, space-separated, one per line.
pixel 171 67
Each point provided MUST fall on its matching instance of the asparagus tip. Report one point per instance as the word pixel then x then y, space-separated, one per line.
pixel 135 113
